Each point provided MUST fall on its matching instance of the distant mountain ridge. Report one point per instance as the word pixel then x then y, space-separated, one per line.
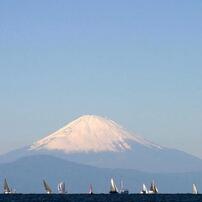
pixel 100 142
pixel 26 175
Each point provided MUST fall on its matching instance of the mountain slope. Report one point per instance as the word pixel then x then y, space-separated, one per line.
pixel 90 134
pixel 100 142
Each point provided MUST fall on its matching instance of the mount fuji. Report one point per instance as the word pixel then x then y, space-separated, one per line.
pixel 91 134
pixel 101 142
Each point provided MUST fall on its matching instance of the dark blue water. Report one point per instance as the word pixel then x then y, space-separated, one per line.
pixel 100 198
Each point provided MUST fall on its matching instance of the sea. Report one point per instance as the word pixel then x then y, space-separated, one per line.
pixel 100 198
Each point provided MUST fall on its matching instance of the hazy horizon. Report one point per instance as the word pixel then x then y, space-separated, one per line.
pixel 137 63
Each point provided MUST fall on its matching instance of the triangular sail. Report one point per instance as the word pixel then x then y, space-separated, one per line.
pixel 194 189
pixel 113 187
pixel 61 188
pixel 153 188
pixel 6 187
pixel 47 187
pixel 91 189
pixel 144 189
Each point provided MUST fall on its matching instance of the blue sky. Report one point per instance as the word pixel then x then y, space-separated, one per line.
pixel 136 62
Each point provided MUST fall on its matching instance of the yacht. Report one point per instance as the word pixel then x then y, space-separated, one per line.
pixel 144 189
pixel 113 187
pixel 194 189
pixel 90 189
pixel 7 189
pixel 61 188
pixel 47 187
pixel 123 190
pixel 153 189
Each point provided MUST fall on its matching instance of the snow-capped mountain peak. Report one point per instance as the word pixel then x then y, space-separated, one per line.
pixel 90 133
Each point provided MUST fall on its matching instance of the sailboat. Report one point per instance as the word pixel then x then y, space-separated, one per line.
pixel 7 190
pixel 153 188
pixel 90 189
pixel 123 190
pixel 194 189
pixel 144 189
pixel 47 187
pixel 61 188
pixel 113 187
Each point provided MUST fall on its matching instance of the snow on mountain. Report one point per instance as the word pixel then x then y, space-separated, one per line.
pixel 91 133
pixel 100 142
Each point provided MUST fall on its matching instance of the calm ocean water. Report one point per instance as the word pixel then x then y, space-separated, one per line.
pixel 100 198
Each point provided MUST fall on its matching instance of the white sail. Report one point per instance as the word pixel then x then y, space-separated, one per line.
pixel 156 190
pixel 61 188
pixel 194 189
pixel 47 187
pixel 113 187
pixel 144 189
pixel 91 189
